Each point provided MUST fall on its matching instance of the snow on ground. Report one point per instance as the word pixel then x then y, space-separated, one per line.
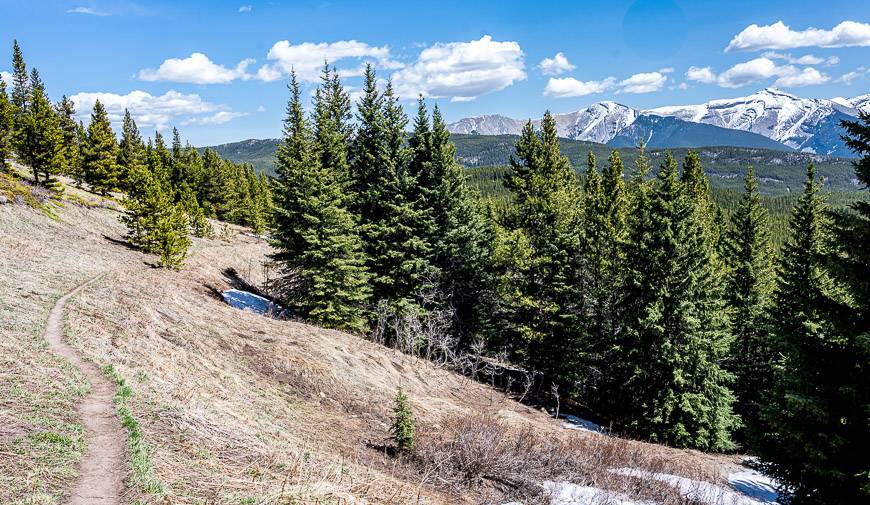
pixel 254 303
pixel 578 423
pixel 749 487
pixel 566 493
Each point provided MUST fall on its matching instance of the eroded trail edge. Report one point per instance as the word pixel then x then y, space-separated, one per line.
pixel 103 466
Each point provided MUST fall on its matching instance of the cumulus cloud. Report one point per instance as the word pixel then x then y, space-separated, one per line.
pixel 758 69
pixel 87 10
pixel 307 58
pixel 148 110
pixel 848 78
pixel 245 8
pixel 556 65
pixel 808 59
pixel 260 108
pixel 781 36
pixel 703 75
pixel 221 117
pixel 570 87
pixel 645 82
pixel 195 69
pixel 7 78
pixel 462 71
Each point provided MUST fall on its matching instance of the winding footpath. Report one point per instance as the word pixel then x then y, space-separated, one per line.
pixel 103 467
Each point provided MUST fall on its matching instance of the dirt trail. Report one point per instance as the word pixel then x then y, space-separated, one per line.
pixel 103 467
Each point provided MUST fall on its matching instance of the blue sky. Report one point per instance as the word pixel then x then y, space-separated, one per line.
pixel 217 69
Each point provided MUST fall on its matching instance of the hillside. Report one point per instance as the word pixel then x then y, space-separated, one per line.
pixel 779 171
pixel 670 132
pixel 232 407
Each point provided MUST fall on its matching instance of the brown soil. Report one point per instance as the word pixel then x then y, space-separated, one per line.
pixel 103 467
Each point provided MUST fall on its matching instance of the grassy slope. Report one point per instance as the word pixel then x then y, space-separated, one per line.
pixel 236 408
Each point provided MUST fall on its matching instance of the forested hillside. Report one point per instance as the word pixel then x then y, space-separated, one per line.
pixel 779 172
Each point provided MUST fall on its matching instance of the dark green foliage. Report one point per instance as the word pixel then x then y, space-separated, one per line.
pixel 41 138
pixel 670 386
pixel 65 110
pixel 403 429
pixel 131 151
pixel 20 96
pixel 314 232
pixel 154 222
pixel 6 124
pixel 815 421
pixel 748 290
pixel 537 261
pixel 100 153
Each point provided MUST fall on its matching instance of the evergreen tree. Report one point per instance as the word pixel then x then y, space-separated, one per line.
pixel 41 136
pixel 461 242
pixel 154 223
pixel 20 100
pixel 748 291
pixel 6 124
pixel 131 151
pixel 314 233
pixel 815 420
pixel 537 252
pixel 404 428
pixel 674 390
pixel 65 110
pixel 100 153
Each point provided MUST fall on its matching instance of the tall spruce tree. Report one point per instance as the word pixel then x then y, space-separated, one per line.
pixel 131 151
pixel 537 252
pixel 41 136
pixel 20 100
pixel 6 124
pixel 814 420
pixel 65 110
pixel 314 233
pixel 748 291
pixel 674 389
pixel 100 153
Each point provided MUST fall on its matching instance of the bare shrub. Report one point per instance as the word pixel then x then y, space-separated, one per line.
pixel 486 459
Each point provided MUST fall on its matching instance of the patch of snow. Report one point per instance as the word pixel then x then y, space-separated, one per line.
pixel 566 493
pixel 245 300
pixel 748 488
pixel 578 423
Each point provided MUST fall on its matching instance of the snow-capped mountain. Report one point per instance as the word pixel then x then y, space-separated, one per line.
pixel 859 102
pixel 493 124
pixel 803 124
pixel 597 123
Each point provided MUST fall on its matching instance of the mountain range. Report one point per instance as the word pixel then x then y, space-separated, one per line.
pixel 770 119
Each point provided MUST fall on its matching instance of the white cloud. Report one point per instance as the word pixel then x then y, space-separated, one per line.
pixel 462 71
pixel 703 75
pixel 748 72
pixel 221 117
pixel 570 87
pixel 7 78
pixel 307 58
pixel 556 65
pixel 88 11
pixel 781 36
pixel 245 8
pixel 683 86
pixel 261 109
pixel 148 110
pixel 758 69
pixel 850 77
pixel 645 82
pixel 195 69
pixel 666 70
pixel 808 59
pixel 806 77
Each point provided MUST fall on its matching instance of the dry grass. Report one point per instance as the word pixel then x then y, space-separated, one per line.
pixel 238 408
